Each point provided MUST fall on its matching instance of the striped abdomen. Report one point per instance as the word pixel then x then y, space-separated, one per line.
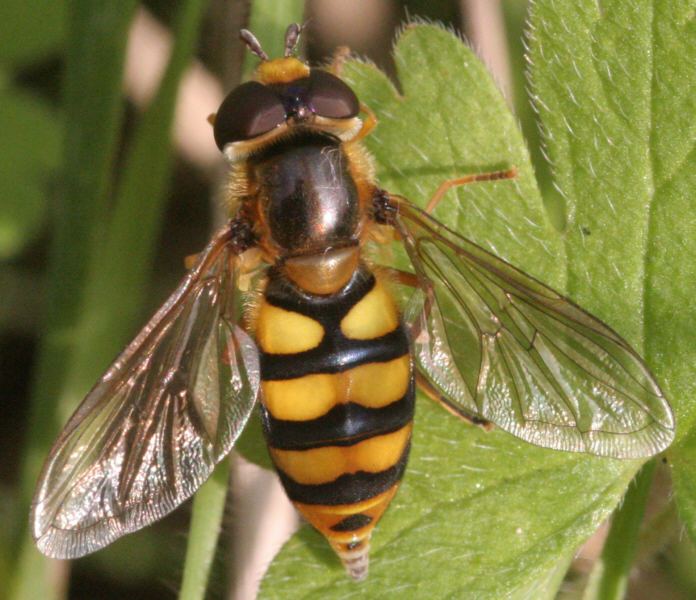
pixel 338 400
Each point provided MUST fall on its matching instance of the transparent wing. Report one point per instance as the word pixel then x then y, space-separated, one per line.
pixel 152 429
pixel 502 346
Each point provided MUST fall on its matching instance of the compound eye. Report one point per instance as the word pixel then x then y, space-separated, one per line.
pixel 249 110
pixel 330 97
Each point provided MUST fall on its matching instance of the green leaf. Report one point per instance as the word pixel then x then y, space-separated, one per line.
pixel 31 133
pixel 450 121
pixel 515 13
pixel 479 514
pixel 617 96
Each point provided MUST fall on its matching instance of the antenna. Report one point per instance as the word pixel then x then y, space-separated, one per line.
pixel 292 36
pixel 253 44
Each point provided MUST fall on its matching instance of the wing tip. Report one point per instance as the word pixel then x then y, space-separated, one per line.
pixel 64 544
pixel 634 445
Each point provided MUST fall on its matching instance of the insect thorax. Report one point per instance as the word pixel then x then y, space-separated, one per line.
pixel 309 202
pixel 308 197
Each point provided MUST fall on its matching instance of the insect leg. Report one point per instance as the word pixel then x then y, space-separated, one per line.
pixel 427 388
pixel 241 239
pixel 368 124
pixel 411 280
pixel 401 277
pixel 385 207
pixel 450 183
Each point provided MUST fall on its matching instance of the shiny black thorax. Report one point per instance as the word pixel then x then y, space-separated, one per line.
pixel 308 196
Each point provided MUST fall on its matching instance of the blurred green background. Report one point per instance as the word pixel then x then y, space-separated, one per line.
pixel 109 177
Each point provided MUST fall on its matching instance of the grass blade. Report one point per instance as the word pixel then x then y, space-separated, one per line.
pixel 118 256
pixel 123 261
pixel 93 111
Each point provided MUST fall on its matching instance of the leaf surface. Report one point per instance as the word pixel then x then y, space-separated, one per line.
pixel 479 514
pixel 616 91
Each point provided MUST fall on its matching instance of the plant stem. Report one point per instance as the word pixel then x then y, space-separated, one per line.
pixel 208 509
pixel 609 579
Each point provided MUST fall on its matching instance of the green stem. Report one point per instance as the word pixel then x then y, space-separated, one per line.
pixel 609 578
pixel 208 508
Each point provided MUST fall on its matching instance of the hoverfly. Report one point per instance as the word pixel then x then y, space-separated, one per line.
pixel 326 349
